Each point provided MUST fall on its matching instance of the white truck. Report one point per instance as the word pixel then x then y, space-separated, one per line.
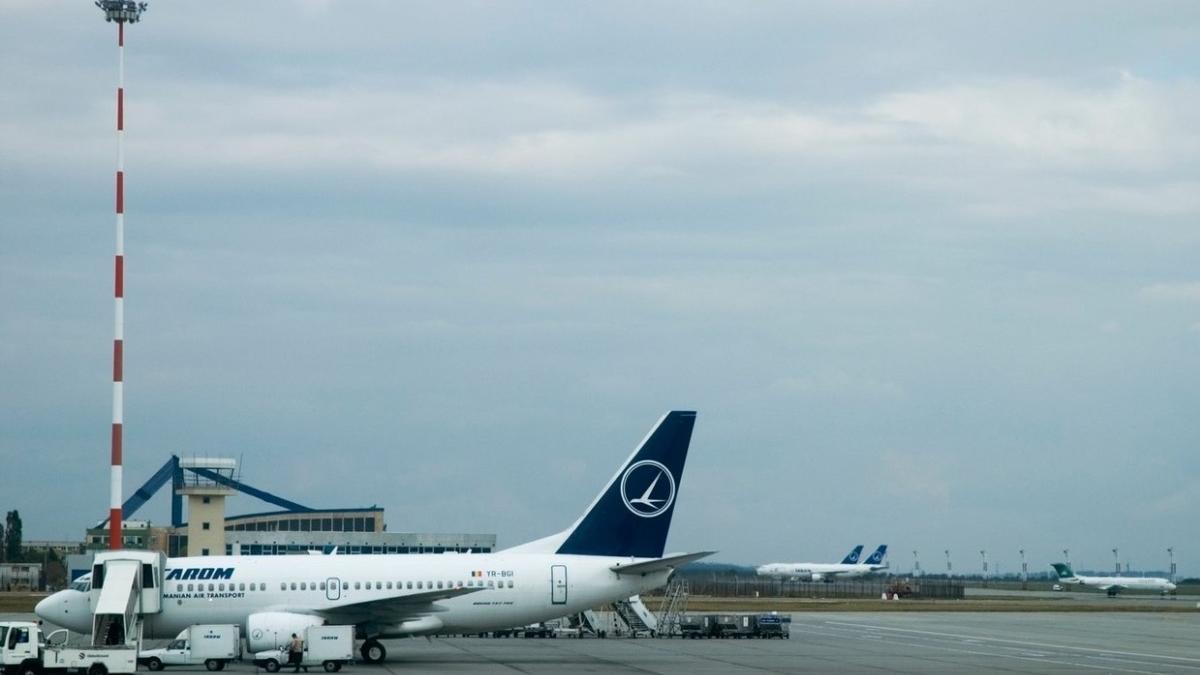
pixel 26 650
pixel 211 644
pixel 330 647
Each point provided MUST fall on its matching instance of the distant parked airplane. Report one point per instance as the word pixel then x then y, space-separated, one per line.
pixel 849 567
pixel 1112 584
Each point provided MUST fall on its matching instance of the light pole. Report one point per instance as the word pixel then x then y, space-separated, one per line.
pixel 122 12
pixel 1171 555
pixel 949 567
pixel 983 555
pixel 1067 556
pixel 1024 572
pixel 916 564
pixel 1117 560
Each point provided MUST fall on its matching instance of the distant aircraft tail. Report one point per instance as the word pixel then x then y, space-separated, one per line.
pixel 852 557
pixel 1064 570
pixel 631 516
pixel 878 556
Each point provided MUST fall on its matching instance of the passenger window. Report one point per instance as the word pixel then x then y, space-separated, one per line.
pixel 389 585
pixel 322 585
pixel 345 585
pixel 190 588
pixel 420 585
pixel 408 585
pixel 221 586
pixel 283 586
pixel 303 586
pixel 210 588
pixel 439 585
pixel 357 586
pixel 241 587
pixel 510 583
pixel 491 584
pixel 293 585
pixel 178 588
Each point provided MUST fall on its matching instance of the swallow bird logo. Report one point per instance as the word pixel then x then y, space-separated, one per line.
pixel 654 486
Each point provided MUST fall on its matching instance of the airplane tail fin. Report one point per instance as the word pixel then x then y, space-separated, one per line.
pixel 878 556
pixel 852 557
pixel 632 514
pixel 1064 570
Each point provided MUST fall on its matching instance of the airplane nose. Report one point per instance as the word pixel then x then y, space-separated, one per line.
pixel 44 607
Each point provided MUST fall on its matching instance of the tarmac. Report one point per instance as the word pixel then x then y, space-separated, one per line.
pixel 841 642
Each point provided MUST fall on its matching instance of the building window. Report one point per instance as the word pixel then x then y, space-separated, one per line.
pixel 337 524
pixel 207 500
pixel 204 526
pixel 370 524
pixel 203 551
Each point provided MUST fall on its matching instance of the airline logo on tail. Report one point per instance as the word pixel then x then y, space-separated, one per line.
pixel 1064 570
pixel 877 557
pixel 658 481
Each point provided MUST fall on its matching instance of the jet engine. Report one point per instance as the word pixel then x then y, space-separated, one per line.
pixel 271 630
pixel 817 577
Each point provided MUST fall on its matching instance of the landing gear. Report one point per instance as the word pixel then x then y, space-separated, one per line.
pixel 372 651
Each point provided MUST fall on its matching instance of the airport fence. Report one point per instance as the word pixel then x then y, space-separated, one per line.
pixel 736 586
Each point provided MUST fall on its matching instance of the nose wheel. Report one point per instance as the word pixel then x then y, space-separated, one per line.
pixel 372 651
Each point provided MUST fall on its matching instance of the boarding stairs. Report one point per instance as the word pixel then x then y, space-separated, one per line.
pixel 634 613
pixel 587 622
pixel 674 606
pixel 126 585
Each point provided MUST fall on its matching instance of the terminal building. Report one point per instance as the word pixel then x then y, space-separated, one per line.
pixel 295 529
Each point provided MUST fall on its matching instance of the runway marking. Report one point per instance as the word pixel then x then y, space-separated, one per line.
pixel 1020 642
pixel 999 655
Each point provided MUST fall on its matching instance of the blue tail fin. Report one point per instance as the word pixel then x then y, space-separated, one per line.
pixel 852 557
pixel 877 557
pixel 631 516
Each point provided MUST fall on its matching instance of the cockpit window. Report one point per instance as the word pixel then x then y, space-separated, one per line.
pixel 82 584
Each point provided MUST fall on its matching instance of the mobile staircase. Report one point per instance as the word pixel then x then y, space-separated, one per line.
pixel 634 613
pixel 674 606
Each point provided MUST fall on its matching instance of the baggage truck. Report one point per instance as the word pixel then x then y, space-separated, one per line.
pixel 774 626
pixel 214 645
pixel 26 650
pixel 330 647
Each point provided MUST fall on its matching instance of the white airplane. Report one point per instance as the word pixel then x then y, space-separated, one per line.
pixel 849 567
pixel 1112 584
pixel 613 551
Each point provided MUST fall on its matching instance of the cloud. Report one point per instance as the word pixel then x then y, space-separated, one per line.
pixel 1172 292
pixel 1132 123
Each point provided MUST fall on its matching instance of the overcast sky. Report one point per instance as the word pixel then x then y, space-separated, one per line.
pixel 928 271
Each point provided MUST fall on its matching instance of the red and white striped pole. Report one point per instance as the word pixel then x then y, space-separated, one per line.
pixel 118 412
pixel 120 11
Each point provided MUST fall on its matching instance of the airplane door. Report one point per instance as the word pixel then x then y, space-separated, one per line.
pixel 333 588
pixel 558 584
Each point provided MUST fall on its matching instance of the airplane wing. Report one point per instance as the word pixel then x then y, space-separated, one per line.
pixel 394 609
pixel 1111 587
pixel 668 562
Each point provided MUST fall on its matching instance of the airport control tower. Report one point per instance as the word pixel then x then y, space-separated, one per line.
pixel 206 502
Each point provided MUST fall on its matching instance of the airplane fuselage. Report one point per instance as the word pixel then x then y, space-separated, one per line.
pixel 516 589
pixel 802 570
pixel 1129 583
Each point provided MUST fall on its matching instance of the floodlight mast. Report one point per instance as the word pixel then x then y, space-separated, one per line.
pixel 122 12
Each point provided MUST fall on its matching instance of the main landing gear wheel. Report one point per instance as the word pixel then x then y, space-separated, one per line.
pixel 373 652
